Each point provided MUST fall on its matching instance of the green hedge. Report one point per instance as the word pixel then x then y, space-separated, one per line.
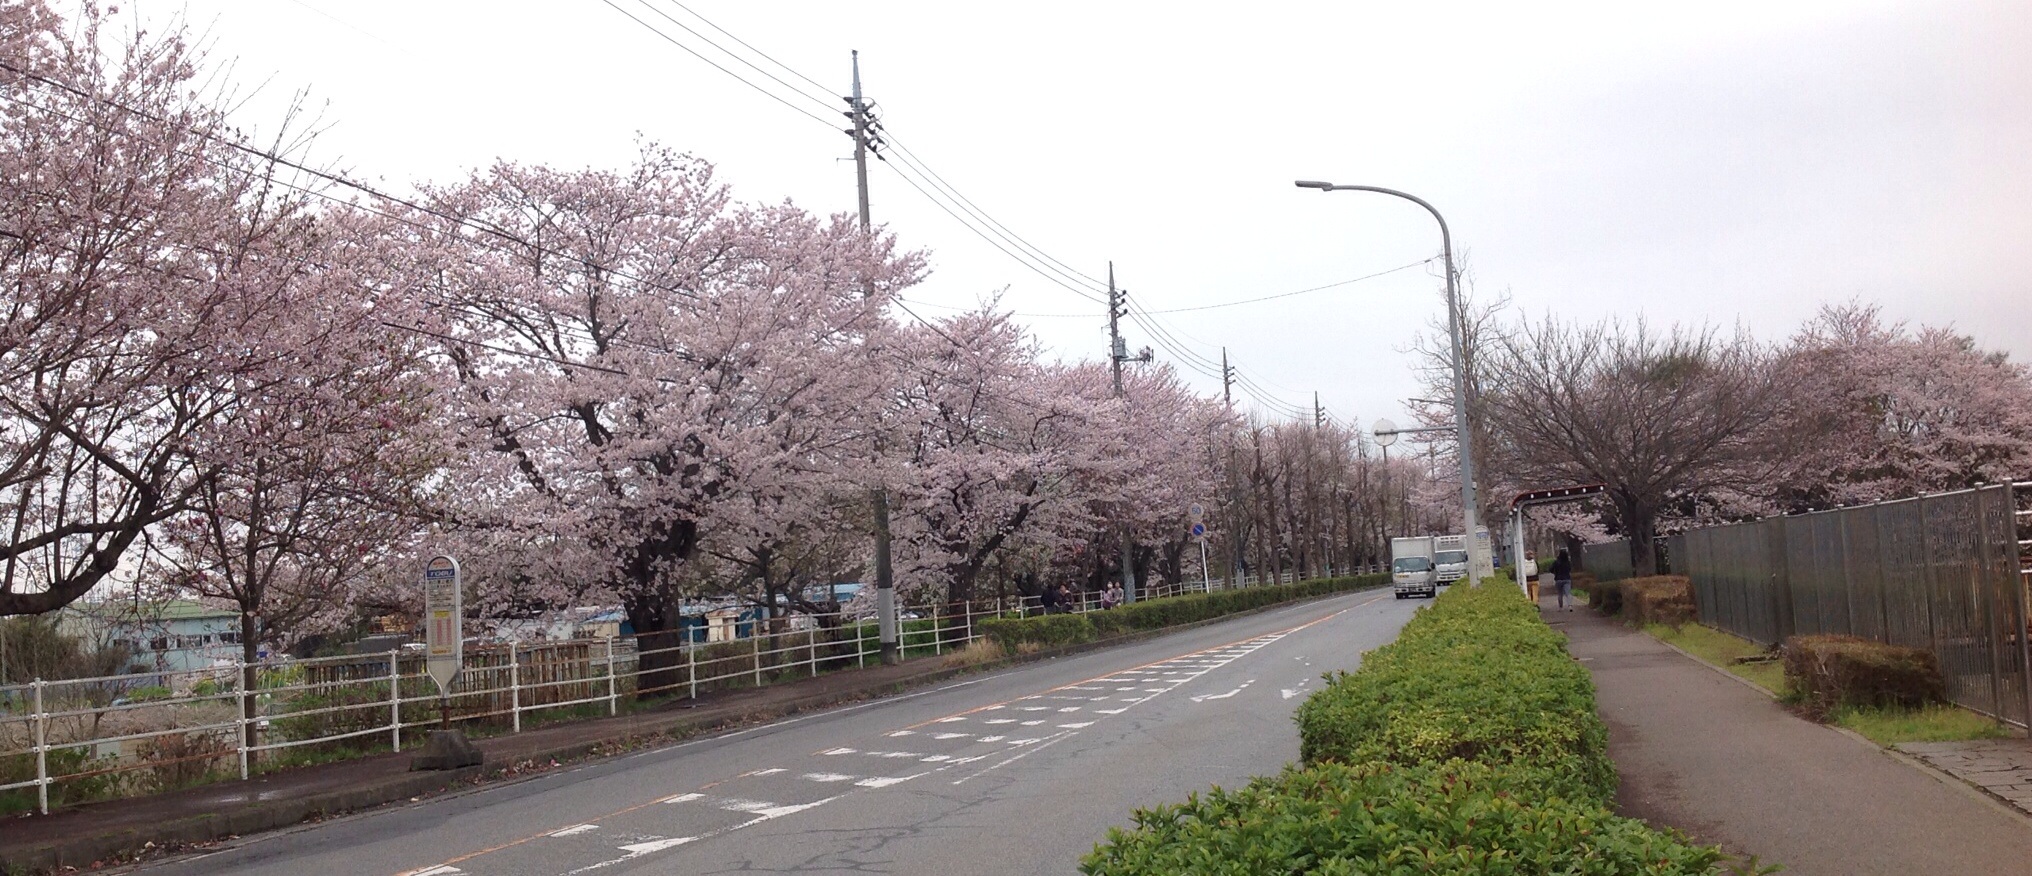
pixel 1469 745
pixel 1054 630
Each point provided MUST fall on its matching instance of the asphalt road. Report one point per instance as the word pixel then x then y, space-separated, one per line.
pixel 1018 771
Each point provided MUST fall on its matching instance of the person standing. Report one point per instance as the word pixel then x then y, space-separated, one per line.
pixel 1047 600
pixel 1562 577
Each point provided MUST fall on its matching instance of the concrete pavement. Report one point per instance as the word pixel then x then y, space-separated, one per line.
pixel 1701 752
pixel 1019 771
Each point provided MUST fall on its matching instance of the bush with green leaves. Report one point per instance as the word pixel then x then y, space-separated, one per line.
pixel 1456 817
pixel 1468 746
pixel 1054 630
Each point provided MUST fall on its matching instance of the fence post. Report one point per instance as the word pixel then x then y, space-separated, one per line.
pixel 395 699
pixel 756 650
pixel 515 687
pixel 860 645
pixel 811 646
pixel 41 750
pixel 690 666
pixel 246 727
pixel 937 632
pixel 613 694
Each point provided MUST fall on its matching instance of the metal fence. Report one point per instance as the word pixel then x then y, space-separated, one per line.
pixel 1944 572
pixel 93 738
pixel 1608 561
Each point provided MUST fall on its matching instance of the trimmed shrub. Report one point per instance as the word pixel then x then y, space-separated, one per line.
pixel 1049 630
pixel 1475 677
pixel 1053 630
pixel 1827 672
pixel 1468 746
pixel 1450 818
pixel 1660 599
pixel 1605 597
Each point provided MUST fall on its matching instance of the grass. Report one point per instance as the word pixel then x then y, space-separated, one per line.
pixel 1721 649
pixel 1935 723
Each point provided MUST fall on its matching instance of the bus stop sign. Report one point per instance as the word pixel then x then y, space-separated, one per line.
pixel 443 621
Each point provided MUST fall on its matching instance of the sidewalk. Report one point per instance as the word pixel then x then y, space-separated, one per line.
pixel 1721 761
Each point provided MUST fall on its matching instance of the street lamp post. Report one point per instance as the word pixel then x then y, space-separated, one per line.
pixel 1460 393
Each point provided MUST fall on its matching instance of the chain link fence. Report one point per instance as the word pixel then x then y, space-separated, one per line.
pixel 1945 572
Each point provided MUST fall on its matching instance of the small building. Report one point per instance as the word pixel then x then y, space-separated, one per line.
pixel 175 636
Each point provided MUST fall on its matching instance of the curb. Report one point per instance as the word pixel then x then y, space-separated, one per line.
pixel 85 850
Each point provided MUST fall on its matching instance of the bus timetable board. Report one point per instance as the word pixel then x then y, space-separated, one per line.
pixel 443 615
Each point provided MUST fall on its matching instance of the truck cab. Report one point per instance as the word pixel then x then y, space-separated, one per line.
pixel 1450 558
pixel 1412 571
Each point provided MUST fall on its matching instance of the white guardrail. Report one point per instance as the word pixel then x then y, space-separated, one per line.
pixel 116 735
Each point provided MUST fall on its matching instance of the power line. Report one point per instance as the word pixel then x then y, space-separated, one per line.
pixel 744 44
pixel 1299 292
pixel 715 65
pixel 990 240
pixel 906 155
pixel 825 101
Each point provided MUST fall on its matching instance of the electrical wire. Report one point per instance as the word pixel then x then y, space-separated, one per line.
pixel 990 240
pixel 1299 292
pixel 904 154
pixel 744 44
pixel 825 101
pixel 715 65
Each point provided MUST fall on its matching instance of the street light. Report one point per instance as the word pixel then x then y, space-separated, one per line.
pixel 1453 328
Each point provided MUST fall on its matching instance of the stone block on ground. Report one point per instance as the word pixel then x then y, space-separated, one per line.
pixel 446 750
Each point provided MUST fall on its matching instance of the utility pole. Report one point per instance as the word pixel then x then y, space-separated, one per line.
pixel 885 578
pixel 1235 562
pixel 1318 413
pixel 1118 352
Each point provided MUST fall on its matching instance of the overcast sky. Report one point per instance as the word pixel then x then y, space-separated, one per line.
pixel 1727 162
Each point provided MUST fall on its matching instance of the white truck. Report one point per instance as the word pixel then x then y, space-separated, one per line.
pixel 1450 558
pixel 1411 567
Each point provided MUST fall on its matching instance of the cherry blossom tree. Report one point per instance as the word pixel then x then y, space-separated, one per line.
pixel 635 356
pixel 1881 411
pixel 134 279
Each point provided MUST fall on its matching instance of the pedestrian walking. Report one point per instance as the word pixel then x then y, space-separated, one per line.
pixel 1065 602
pixel 1047 600
pixel 1562 578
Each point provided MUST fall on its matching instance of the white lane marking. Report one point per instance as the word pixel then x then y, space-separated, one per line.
pixel 1001 720
pixel 1029 723
pixel 903 733
pixel 829 777
pixel 656 845
pixel 1220 696
pixel 950 735
pixel 886 781
pixel 839 751
pixel 1288 693
pixel 768 772
pixel 1111 711
pixel 440 870
pixel 574 829
pixel 681 798
pixel 992 738
pixel 1055 739
pixel 952 719
pixel 1078 725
